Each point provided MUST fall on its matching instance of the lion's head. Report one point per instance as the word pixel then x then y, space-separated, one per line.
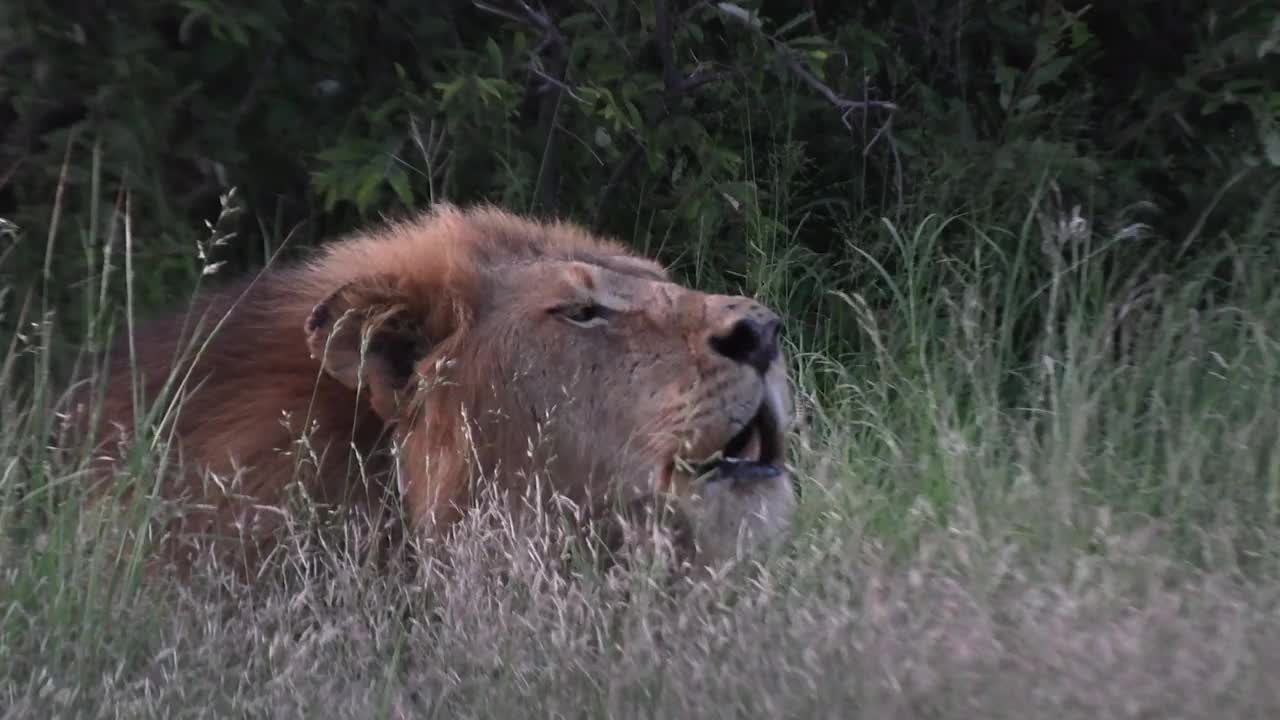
pixel 505 350
pixel 495 352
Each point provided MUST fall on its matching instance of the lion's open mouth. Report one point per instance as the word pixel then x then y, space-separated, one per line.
pixel 755 452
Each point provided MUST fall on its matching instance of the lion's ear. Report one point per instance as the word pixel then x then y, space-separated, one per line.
pixel 367 337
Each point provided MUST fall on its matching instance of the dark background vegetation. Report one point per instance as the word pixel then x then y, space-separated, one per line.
pixel 1027 252
pixel 695 130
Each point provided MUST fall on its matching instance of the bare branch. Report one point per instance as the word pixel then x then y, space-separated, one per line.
pixel 620 171
pixel 486 7
pixel 843 104
pixel 662 36
pixel 793 64
pixel 697 79
pixel 555 47
pixel 526 16
pixel 693 81
pixel 557 82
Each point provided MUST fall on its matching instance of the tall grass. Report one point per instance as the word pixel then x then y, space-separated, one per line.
pixel 1034 486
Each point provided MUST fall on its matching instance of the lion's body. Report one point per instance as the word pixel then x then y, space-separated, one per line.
pixel 445 337
pixel 239 416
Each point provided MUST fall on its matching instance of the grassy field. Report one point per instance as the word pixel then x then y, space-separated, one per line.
pixel 1072 519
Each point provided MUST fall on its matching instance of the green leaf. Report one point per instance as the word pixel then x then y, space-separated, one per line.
pixel 399 181
pixel 793 23
pixel 495 55
pixel 367 190
pixel 1027 103
pixel 1050 71
pixel 1006 77
pixel 282 117
pixel 1080 35
pixel 448 90
pixel 655 157
pixel 1271 146
pixel 582 20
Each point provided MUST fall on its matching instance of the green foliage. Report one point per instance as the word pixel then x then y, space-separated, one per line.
pixel 1103 543
pixel 645 119
pixel 1027 252
pixel 711 134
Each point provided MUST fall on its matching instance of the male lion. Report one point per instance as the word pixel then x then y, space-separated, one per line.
pixel 461 351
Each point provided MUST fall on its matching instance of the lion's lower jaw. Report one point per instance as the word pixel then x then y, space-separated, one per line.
pixel 732 522
pixel 698 535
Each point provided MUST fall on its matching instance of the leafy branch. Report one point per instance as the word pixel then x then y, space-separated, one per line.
pixel 549 62
pixel 791 61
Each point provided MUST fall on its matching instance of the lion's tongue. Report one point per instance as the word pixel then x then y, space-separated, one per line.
pixel 749 470
pixel 751 453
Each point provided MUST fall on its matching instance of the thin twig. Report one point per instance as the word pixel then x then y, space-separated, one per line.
pixel 844 104
pixel 527 16
pixel 498 11
pixel 620 171
pixel 430 149
pixel 554 45
pixel 792 63
pixel 562 85
pixel 697 79
pixel 674 89
pixel 666 51
pixel 691 82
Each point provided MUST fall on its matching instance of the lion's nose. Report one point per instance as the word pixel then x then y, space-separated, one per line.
pixel 750 340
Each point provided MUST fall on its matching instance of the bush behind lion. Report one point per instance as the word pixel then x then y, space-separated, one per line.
pixel 1039 452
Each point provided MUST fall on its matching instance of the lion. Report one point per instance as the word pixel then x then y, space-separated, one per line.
pixel 459 351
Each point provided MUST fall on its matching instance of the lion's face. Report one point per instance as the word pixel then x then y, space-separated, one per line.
pixel 562 362
pixel 624 381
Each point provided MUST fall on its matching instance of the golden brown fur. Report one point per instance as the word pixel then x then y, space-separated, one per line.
pixel 466 340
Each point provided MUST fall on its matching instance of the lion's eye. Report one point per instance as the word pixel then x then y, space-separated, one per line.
pixel 587 314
